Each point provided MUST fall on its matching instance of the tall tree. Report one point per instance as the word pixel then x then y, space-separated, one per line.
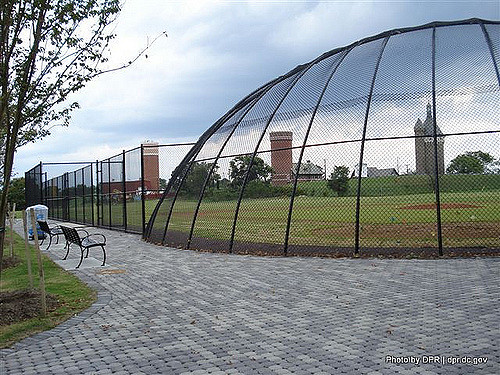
pixel 339 180
pixel 473 162
pixel 239 166
pixel 48 50
pixel 197 176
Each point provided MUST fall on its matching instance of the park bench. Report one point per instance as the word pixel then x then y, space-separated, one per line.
pixel 51 232
pixel 85 242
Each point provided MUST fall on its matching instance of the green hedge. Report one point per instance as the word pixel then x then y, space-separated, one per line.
pixel 370 187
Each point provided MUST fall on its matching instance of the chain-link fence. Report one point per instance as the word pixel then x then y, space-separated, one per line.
pixel 117 193
pixel 389 145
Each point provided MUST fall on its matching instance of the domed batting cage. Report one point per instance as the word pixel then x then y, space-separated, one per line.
pixel 389 145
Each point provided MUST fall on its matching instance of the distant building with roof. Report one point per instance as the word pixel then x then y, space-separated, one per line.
pixel 424 145
pixel 284 170
pixel 373 171
pixel 308 171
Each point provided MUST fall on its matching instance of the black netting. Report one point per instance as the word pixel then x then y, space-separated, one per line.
pixel 344 154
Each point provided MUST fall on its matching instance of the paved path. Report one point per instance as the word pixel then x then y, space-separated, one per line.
pixel 177 311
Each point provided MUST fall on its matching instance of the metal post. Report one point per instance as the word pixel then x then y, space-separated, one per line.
pixel 361 153
pixel 41 187
pixel 299 162
pixel 109 191
pixel 490 47
pixel 75 197
pixel 245 180
pixel 436 163
pixel 207 179
pixel 92 192
pixel 143 197
pixel 194 152
pixel 66 196
pixel 124 194
pixel 196 149
pixel 83 194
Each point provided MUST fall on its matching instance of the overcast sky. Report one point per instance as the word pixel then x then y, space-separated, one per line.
pixel 216 53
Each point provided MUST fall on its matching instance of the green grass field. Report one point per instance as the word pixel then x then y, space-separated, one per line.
pixel 470 212
pixel 329 221
pixel 73 294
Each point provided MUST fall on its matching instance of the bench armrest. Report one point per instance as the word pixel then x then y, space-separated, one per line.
pixel 83 230
pixel 97 234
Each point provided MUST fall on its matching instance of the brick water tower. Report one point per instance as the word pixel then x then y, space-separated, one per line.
pixel 151 166
pixel 281 157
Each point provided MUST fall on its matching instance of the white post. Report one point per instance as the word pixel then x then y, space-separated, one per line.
pixel 40 264
pixel 27 247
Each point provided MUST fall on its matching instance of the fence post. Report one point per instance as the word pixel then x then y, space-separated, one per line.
pixel 83 196
pixel 110 195
pixel 92 191
pixel 124 193
pixel 362 150
pixel 11 224
pixel 436 163
pixel 143 201
pixel 41 183
pixel 27 248
pixel 40 263
pixel 75 197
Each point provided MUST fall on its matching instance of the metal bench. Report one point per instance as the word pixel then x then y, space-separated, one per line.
pixel 85 243
pixel 55 231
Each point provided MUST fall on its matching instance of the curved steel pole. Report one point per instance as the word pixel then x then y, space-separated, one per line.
pixel 247 173
pixel 490 47
pixel 362 150
pixel 436 163
pixel 299 162
pixel 202 192
pixel 195 154
pixel 194 151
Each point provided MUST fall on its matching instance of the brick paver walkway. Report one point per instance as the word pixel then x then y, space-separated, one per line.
pixel 177 311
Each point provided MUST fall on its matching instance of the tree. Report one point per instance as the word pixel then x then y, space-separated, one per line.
pixel 196 178
pixel 162 183
pixel 49 49
pixel 339 180
pixel 16 193
pixel 472 162
pixel 239 166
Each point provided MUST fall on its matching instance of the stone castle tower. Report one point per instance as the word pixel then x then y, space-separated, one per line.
pixel 424 145
pixel 281 160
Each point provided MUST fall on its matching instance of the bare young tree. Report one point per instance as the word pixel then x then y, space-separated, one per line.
pixel 48 50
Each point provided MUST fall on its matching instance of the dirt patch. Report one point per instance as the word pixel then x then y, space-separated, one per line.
pixel 10 262
pixel 425 247
pixel 444 206
pixel 418 230
pixel 19 305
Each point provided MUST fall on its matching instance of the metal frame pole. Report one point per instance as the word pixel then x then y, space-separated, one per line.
pixel 362 150
pixel 124 193
pixel 183 178
pixel 299 162
pixel 143 201
pixel 490 47
pixel 75 197
pixel 247 173
pixel 194 152
pixel 92 192
pixel 207 179
pixel 109 191
pixel 83 194
pixel 436 162
pixel 41 188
